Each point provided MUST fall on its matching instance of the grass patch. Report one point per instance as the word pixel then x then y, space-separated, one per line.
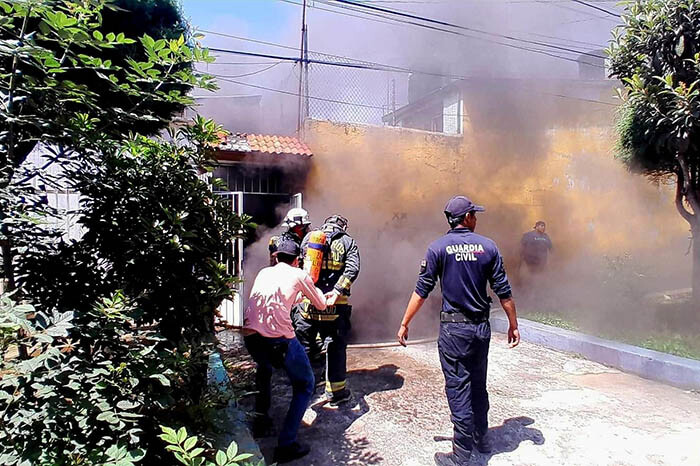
pixel 686 346
pixel 553 320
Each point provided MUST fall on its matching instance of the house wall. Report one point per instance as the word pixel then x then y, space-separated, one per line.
pixel 392 184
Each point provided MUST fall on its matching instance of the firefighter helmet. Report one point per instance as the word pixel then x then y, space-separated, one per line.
pixel 337 220
pixel 296 217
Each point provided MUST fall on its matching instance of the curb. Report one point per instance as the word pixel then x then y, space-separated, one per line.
pixel 667 368
pixel 230 422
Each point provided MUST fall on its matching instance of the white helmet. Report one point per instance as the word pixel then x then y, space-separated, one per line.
pixel 296 217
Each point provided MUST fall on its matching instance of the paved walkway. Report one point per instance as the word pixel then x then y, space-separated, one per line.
pixel 547 408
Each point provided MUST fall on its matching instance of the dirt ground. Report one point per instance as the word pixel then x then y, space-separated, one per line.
pixel 547 408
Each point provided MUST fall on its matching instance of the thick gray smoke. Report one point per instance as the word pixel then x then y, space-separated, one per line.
pixel 537 146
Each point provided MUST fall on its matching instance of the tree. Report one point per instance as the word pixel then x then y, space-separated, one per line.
pixel 124 327
pixel 86 62
pixel 656 54
pixel 121 327
pixel 60 73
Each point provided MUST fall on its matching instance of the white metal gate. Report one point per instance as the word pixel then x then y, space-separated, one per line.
pixel 231 310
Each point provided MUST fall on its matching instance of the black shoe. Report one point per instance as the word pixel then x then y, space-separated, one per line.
pixel 339 397
pixel 261 426
pixel 290 452
pixel 449 459
pixel 483 444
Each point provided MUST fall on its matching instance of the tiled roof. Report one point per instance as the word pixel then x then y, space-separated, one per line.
pixel 267 144
pixel 277 144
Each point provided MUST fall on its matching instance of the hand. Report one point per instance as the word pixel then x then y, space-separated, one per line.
pixel 513 337
pixel 402 335
pixel 332 297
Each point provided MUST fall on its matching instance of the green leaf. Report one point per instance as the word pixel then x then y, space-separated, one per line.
pixel 243 457
pixel 190 443
pixel 221 458
pixel 232 450
pixel 148 42
pixel 98 35
pixel 125 404
pixel 680 46
pixel 162 379
pixel 181 435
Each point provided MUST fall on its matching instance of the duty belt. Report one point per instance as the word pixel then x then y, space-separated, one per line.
pixel 460 318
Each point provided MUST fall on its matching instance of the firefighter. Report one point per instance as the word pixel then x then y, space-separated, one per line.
pixel 296 224
pixel 339 269
pixel 464 263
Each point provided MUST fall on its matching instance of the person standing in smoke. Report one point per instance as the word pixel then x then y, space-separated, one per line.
pixel 465 263
pixel 339 270
pixel 535 247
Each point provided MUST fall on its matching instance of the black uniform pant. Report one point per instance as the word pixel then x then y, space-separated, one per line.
pixel 335 332
pixel 463 349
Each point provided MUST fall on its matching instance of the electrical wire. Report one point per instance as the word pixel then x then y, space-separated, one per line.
pixel 280 91
pixel 595 7
pixel 405 23
pixel 254 72
pixel 295 94
pixel 458 26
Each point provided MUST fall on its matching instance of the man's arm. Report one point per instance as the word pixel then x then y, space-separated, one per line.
pixel 426 282
pixel 350 272
pixel 501 286
pixel 414 305
pixel 508 305
pixel 310 290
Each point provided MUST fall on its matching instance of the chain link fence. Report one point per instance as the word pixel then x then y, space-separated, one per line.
pixel 348 94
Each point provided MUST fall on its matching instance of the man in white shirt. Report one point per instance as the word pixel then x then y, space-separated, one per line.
pixel 270 340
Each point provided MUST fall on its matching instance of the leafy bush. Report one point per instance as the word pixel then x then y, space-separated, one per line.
pixel 188 453
pixel 121 325
pixel 138 358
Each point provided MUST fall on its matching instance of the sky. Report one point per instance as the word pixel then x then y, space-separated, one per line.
pixel 561 22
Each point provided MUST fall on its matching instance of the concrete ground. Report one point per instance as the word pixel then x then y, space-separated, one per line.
pixel 547 408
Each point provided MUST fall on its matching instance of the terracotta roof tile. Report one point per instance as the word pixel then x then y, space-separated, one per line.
pixel 272 144
pixel 263 143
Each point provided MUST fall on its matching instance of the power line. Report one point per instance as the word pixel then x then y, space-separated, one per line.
pixel 255 72
pixel 563 96
pixel 295 94
pixel 241 63
pixel 404 23
pixel 595 7
pixel 457 26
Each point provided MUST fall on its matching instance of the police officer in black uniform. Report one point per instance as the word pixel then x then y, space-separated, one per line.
pixel 464 262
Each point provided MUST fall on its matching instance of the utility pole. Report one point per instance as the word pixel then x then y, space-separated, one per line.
pixel 303 62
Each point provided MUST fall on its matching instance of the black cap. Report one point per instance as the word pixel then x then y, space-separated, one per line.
pixel 461 205
pixel 288 247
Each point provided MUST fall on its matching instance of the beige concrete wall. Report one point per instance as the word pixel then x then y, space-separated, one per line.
pixel 574 183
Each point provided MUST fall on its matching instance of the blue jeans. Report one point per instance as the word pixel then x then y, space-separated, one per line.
pixel 464 350
pixel 287 354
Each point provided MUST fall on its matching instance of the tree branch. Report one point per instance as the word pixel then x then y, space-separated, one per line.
pixel 680 193
pixel 689 191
